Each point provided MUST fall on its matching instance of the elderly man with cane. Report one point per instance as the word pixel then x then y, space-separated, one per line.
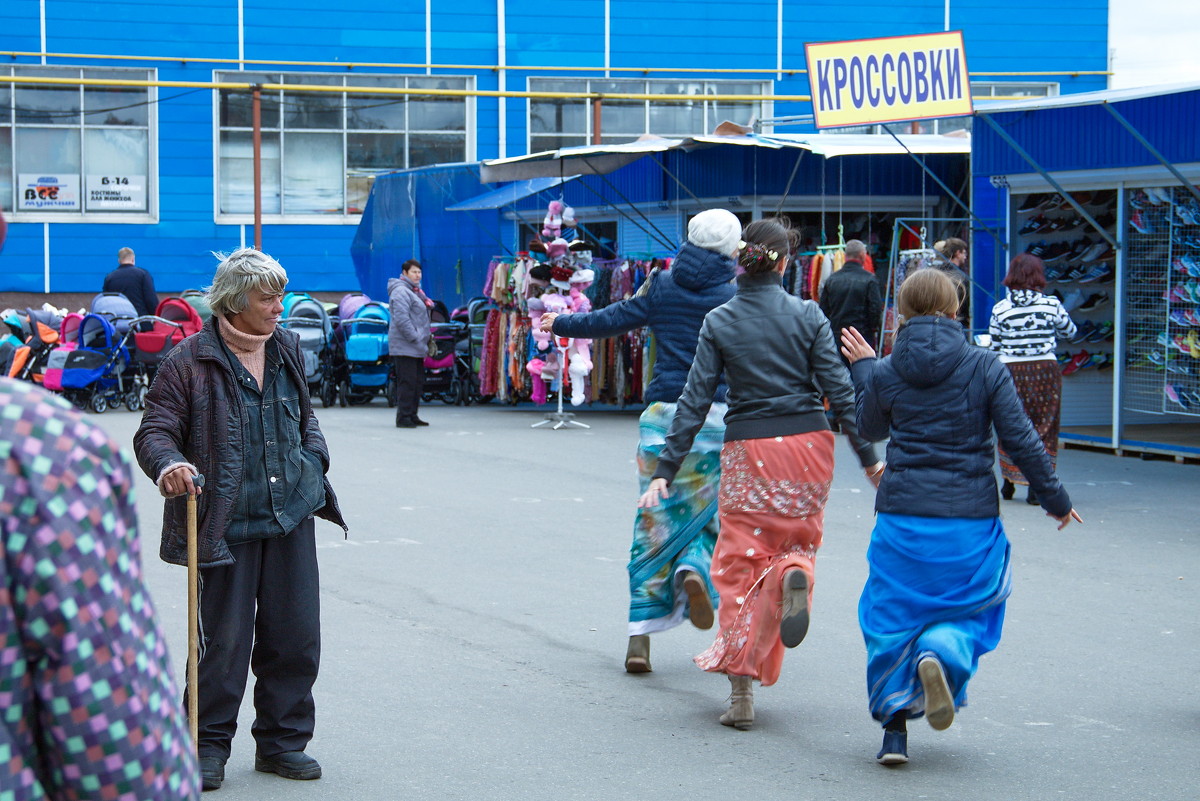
pixel 231 403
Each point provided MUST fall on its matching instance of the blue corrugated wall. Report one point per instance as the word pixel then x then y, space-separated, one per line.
pixel 708 34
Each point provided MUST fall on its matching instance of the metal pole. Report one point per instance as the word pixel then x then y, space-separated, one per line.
pixel 256 121
pixel 596 121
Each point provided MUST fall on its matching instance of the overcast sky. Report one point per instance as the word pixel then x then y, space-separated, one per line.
pixel 1154 41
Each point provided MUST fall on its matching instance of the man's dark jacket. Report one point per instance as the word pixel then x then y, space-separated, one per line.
pixel 135 284
pixel 939 398
pixel 962 283
pixel 673 306
pixel 194 415
pixel 851 299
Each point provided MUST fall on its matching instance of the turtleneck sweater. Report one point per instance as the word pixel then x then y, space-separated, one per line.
pixel 250 349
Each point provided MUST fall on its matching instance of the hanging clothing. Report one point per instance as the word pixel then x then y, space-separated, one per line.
pixel 773 495
pixel 936 586
pixel 679 534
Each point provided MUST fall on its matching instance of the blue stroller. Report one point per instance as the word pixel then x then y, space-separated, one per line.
pixel 365 370
pixel 307 317
pixel 95 373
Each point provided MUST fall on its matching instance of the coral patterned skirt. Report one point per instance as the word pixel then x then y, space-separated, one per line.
pixel 772 508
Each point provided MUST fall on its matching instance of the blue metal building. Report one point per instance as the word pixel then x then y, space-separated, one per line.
pixel 165 169
pixel 1122 167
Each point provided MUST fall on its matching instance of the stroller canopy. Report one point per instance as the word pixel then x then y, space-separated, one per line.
pixel 351 302
pixel 198 301
pixel 178 310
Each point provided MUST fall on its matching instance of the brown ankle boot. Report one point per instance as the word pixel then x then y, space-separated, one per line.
pixel 700 608
pixel 741 703
pixel 637 658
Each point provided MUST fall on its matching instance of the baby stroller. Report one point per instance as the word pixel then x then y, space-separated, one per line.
pixel 68 340
pixel 474 317
pixel 173 320
pixel 116 308
pixel 95 372
pixel 198 301
pixel 350 303
pixel 446 371
pixel 364 369
pixel 307 317
pixel 40 330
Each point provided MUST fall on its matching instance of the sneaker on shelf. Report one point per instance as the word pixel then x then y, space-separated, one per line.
pixel 1073 272
pixel 1033 225
pixel 1074 224
pixel 1056 252
pixel 1176 294
pixel 1140 223
pixel 1102 331
pixel 1180 317
pixel 1175 396
pixel 1032 202
pixel 1139 200
pixel 1077 363
pixel 1157 196
pixel 1180 344
pixel 1051 201
pixel 1036 249
pixel 1096 252
pixel 1100 273
pixel 1156 357
pixel 1053 273
pixel 1056 224
pixel 1096 300
pixel 1193 343
pixel 1102 361
pixel 1085 330
pixel 1063 359
pixel 1074 299
pixel 1080 246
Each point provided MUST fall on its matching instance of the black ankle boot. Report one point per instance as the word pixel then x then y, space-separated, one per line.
pixel 1031 497
pixel 1007 490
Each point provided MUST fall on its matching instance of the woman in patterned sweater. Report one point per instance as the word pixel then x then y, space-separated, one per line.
pixel 1024 328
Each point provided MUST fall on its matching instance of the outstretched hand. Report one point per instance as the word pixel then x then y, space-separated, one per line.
pixel 854 346
pixel 656 491
pixel 547 322
pixel 1066 519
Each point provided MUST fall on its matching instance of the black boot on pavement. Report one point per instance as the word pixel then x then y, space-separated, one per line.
pixel 212 772
pixel 289 765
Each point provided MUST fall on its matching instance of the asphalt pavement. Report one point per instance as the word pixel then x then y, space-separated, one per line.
pixel 474 630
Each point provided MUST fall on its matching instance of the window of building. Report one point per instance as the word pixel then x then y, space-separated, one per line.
pixel 979 91
pixel 555 123
pixel 75 152
pixel 321 151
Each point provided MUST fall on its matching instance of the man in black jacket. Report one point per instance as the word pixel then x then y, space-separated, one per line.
pixel 133 282
pixel 953 261
pixel 851 296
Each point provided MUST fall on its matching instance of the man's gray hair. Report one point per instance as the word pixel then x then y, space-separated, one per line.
pixel 237 274
pixel 855 249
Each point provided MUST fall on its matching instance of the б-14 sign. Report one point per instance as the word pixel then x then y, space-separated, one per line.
pixel 889 80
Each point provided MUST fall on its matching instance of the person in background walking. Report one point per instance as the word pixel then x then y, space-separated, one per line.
pixel 231 403
pixel 953 262
pixel 408 341
pixel 939 570
pixel 90 710
pixel 672 545
pixel 778 354
pixel 851 296
pixel 133 282
pixel 1024 328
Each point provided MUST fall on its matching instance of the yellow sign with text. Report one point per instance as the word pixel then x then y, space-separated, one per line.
pixel 889 80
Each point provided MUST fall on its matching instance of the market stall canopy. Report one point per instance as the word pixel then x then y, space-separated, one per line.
pixel 603 159
pixel 1085 98
pixel 509 194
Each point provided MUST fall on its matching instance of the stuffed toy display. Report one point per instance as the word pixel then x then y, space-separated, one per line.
pixel 580 350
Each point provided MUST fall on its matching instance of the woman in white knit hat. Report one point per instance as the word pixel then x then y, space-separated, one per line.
pixel 672 544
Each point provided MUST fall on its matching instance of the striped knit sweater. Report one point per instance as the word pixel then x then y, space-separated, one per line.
pixel 1025 325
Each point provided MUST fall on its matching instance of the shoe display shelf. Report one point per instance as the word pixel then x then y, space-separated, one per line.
pixel 1162 291
pixel 1081 273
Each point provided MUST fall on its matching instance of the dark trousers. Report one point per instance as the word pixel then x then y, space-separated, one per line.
pixel 410 378
pixel 263 613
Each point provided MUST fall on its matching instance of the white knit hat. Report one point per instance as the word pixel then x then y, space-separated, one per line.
pixel 717 230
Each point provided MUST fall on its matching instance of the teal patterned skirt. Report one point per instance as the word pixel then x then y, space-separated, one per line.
pixel 679 534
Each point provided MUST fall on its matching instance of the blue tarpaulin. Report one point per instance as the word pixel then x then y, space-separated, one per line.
pixel 509 194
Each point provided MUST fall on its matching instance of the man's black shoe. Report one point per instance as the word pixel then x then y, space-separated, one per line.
pixel 419 421
pixel 289 765
pixel 212 772
pixel 405 424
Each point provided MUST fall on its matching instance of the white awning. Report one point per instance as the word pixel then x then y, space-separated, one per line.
pixel 603 159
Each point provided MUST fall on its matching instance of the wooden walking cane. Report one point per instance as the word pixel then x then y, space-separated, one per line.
pixel 193 664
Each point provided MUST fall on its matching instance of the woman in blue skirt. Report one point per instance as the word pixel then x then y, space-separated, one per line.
pixel 939 560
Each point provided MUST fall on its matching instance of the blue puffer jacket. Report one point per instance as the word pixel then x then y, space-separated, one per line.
pixel 673 307
pixel 938 398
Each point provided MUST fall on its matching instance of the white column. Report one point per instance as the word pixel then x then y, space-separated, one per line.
pixel 45 252
pixel 502 79
pixel 428 36
pixel 42 22
pixel 241 37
